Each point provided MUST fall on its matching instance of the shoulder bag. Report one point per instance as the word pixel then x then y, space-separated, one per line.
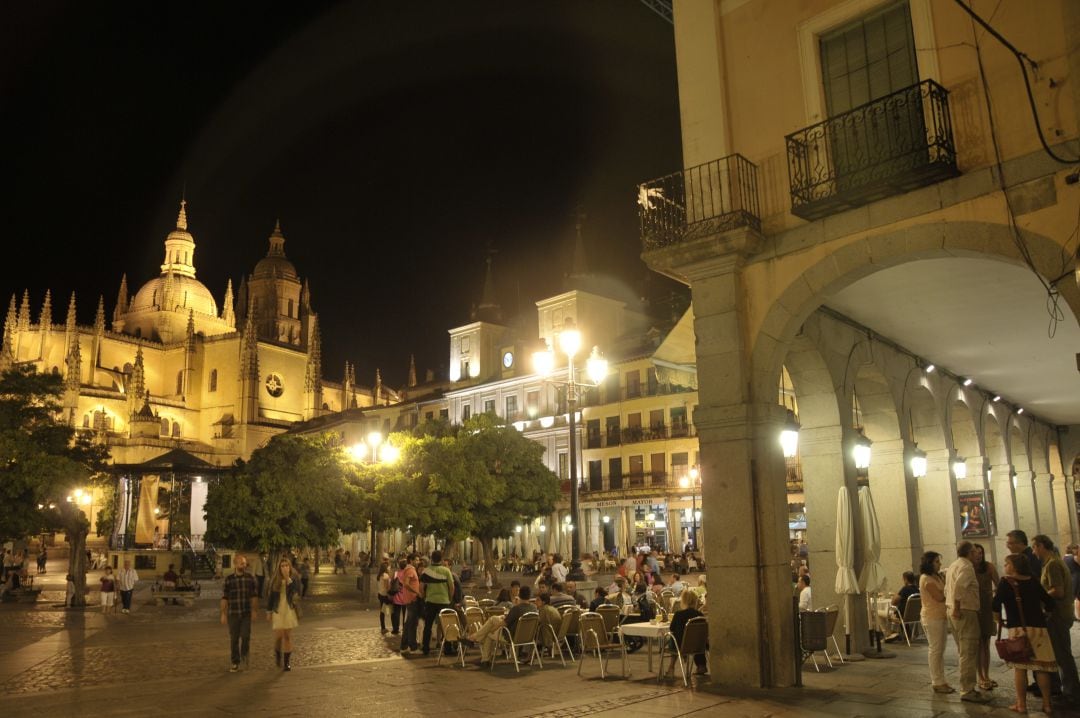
pixel 1018 649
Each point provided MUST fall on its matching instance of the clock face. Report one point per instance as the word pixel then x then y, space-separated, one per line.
pixel 508 359
pixel 275 387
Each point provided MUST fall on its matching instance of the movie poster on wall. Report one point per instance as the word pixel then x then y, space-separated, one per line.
pixel 975 514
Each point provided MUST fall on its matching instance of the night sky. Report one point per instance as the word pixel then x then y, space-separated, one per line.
pixel 397 143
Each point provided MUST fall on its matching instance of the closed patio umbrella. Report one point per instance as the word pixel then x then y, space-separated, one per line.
pixel 846 583
pixel 872 577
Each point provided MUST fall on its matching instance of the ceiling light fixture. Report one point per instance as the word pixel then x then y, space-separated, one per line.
pixel 968 382
pixel 930 368
pixel 997 398
pixel 1020 410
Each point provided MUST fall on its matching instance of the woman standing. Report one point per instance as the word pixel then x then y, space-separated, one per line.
pixel 284 595
pixel 987 576
pixel 385 604
pixel 934 620
pixel 1018 582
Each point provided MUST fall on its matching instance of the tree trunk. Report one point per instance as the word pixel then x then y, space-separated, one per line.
pixel 77 564
pixel 489 562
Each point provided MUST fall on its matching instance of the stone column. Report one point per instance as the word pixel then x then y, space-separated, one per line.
pixel 1006 516
pixel 939 514
pixel 674 528
pixel 1026 508
pixel 1044 504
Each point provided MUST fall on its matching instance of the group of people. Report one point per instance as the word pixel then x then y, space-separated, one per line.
pixel 1034 598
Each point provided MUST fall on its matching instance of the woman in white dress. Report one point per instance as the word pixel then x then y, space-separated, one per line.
pixel 283 601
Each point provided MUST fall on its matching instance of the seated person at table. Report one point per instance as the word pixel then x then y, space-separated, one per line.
pixel 688 602
pixel 677 584
pixel 620 597
pixel 549 616
pixel 504 600
pixel 910 588
pixel 559 597
pixel 488 634
pixel 806 601
pixel 599 599
pixel 572 592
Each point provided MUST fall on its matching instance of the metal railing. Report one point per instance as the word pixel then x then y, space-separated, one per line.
pixel 887 146
pixel 638 434
pixel 713 197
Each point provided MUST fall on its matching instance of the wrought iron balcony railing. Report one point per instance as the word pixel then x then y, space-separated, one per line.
pixel 714 197
pixel 890 145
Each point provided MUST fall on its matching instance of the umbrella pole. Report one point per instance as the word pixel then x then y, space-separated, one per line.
pixel 849 657
pixel 871 652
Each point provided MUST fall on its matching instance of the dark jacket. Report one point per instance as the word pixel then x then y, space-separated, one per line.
pixel 679 621
pixel 292 594
pixel 1032 595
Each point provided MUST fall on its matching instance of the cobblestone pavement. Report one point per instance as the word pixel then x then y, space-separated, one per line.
pixel 174 659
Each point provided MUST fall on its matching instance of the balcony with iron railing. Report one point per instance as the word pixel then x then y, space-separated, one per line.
pixel 890 145
pixel 632 480
pixel 638 434
pixel 708 199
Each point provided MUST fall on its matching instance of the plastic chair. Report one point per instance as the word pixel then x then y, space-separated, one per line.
pixel 524 635
pixel 595 638
pixel 695 640
pixel 450 626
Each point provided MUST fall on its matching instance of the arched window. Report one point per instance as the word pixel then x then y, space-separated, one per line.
pixel 213 380
pixel 86 421
pixel 180 382
pixel 176 429
pixel 164 427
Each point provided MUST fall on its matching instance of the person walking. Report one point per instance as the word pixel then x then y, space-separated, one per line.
pixel 108 591
pixel 1024 599
pixel 126 578
pixel 281 610
pixel 438 582
pixel 962 601
pixel 385 604
pixel 1057 583
pixel 42 559
pixel 405 605
pixel 239 603
pixel 987 577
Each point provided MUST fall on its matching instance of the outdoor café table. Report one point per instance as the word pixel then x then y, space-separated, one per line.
pixel 648 631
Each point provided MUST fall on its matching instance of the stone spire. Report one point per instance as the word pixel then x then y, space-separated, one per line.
pixel 412 370
pixel 137 382
pixel 180 247
pixel 376 391
pixel 99 317
pixel 228 314
pixel 313 375
pixel 121 299
pixel 7 352
pixel 69 324
pixel 249 351
pixel 45 320
pixel 181 217
pixel 11 322
pixel 191 330
pixel 489 309
pixel 305 296
pixel 277 241
pixel 24 311
pixel 348 387
pixel 74 367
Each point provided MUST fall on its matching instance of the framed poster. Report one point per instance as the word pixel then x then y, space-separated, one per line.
pixel 975 514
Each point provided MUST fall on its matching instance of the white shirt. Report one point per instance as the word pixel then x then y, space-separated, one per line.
pixel 126 578
pixel 558 572
pixel 805 601
pixel 677 587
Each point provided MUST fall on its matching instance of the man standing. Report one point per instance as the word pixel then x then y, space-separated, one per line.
pixel 438 583
pixel 1017 542
pixel 962 602
pixel 126 578
pixel 1056 580
pixel 239 602
pixel 409 600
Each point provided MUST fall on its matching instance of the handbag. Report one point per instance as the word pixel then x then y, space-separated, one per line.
pixel 1017 649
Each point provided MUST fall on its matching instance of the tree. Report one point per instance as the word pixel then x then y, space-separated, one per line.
pixel 525 487
pixel 295 491
pixel 43 465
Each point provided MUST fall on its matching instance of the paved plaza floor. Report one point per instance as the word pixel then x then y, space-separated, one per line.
pixel 173 661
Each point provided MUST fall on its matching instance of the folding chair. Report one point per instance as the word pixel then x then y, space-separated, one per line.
pixel 450 626
pixel 595 637
pixel 611 615
pixel 812 636
pixel 559 636
pixel 832 613
pixel 524 635
pixel 487 602
pixel 469 601
pixel 474 618
pixel 912 617
pixel 695 640
pixel 493 611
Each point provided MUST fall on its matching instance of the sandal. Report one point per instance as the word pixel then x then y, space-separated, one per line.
pixel 987 685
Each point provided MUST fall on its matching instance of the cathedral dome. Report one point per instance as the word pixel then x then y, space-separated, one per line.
pixel 275 264
pixel 173 291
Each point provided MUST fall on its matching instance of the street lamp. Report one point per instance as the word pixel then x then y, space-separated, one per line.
pixel 374 447
pixel 693 480
pixel 596 369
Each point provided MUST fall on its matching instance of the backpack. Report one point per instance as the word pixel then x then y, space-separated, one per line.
pixel 395 586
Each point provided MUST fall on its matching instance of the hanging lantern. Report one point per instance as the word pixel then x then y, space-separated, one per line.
pixel 789 436
pixel 861 452
pixel 918 462
pixel 959 467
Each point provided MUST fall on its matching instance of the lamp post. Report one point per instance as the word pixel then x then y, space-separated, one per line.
pixel 693 481
pixel 596 369
pixel 374 447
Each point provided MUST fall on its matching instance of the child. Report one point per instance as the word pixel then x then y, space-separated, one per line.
pixel 69 593
pixel 108 591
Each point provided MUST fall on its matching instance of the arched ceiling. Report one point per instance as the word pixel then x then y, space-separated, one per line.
pixel 978 318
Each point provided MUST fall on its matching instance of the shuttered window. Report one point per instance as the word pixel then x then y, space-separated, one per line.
pixel 869 58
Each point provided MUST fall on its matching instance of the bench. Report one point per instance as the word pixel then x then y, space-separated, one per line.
pixel 21 595
pixel 163 595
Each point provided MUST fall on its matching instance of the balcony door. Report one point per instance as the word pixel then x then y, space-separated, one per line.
pixel 863 62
